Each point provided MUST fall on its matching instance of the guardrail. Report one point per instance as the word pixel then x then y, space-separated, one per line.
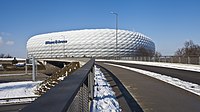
pixel 166 59
pixel 17 98
pixel 73 94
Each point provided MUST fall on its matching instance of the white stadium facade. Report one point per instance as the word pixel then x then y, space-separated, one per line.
pixel 88 43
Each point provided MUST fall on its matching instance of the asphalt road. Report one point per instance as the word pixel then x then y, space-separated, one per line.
pixel 153 95
pixel 12 107
pixel 189 76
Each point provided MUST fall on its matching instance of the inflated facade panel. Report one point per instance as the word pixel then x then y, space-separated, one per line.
pixel 89 43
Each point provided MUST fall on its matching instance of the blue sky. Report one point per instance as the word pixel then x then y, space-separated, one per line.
pixel 168 22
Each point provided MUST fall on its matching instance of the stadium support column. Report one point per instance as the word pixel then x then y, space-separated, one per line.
pixel 116 14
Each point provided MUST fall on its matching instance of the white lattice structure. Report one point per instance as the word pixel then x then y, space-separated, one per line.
pixel 89 42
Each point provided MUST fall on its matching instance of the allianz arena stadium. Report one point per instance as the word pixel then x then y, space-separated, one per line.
pixel 88 43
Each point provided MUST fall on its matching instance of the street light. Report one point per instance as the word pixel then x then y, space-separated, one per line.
pixel 116 28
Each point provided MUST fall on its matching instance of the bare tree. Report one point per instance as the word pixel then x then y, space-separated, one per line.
pixel 5 56
pixel 189 49
pixel 14 61
pixel 8 56
pixel 2 55
pixel 179 52
pixel 157 54
pixel 144 52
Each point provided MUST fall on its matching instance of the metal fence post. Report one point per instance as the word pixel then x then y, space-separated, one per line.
pixel 91 84
pixel 26 68
pixel 199 60
pixel 34 68
pixel 188 60
pixel 172 59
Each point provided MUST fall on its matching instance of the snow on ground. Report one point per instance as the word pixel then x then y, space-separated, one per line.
pixel 191 87
pixel 104 96
pixel 17 89
pixel 189 67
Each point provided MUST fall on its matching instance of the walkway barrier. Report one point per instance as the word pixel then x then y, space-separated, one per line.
pixel 166 59
pixel 73 94
pixel 17 100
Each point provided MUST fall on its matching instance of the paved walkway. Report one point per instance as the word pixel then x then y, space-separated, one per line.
pixel 125 99
pixel 12 107
pixel 151 94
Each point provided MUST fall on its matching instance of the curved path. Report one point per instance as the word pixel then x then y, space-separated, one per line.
pixel 189 76
pixel 12 107
pixel 153 95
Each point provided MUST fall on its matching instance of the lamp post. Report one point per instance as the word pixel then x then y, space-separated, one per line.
pixel 116 29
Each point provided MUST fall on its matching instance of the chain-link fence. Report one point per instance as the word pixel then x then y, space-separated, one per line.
pixel 81 100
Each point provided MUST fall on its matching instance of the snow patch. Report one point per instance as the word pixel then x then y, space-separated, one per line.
pixel 191 87
pixel 104 96
pixel 17 89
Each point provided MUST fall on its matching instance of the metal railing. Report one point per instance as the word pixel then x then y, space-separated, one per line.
pixel 166 59
pixel 17 99
pixel 73 94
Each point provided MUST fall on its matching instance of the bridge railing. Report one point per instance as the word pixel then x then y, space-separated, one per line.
pixel 166 59
pixel 73 94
